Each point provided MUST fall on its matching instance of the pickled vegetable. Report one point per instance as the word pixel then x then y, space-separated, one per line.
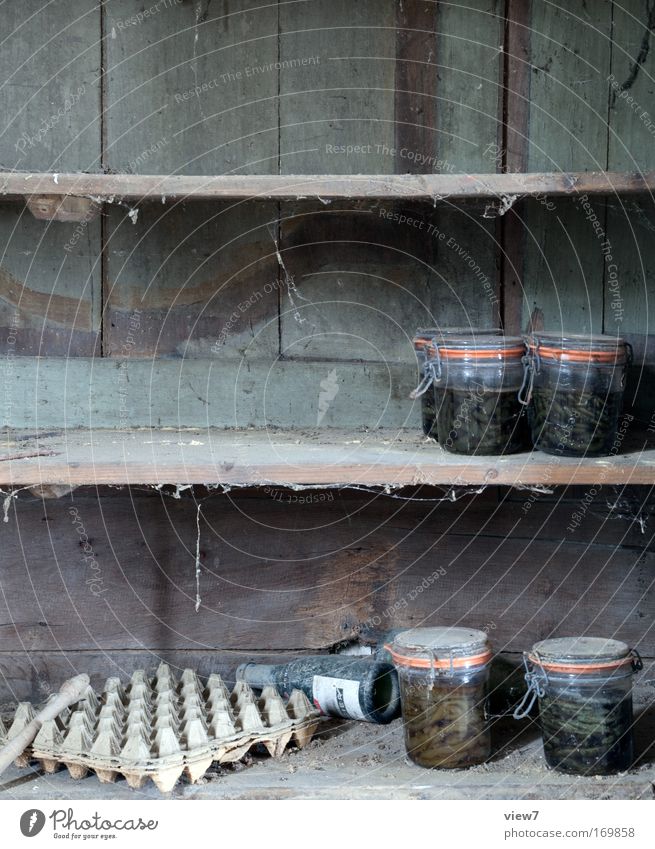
pixel 479 422
pixel 445 724
pixel 573 423
pixel 587 730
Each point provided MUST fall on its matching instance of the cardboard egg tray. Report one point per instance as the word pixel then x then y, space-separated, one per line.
pixel 161 727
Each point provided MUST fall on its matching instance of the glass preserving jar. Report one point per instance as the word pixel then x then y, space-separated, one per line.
pixel 480 380
pixel 425 347
pixel 584 689
pixel 443 675
pixel 576 392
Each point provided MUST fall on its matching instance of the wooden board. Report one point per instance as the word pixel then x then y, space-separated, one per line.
pixel 632 87
pixel 192 280
pixel 50 286
pixel 426 187
pixel 192 89
pixel 130 392
pixel 302 458
pixel 570 57
pixel 50 102
pixel 630 258
pixel 416 115
pixel 469 54
pixel 337 111
pixel 570 54
pixel 120 574
pixel 358 761
pixel 563 264
pixel 364 279
pixel 50 96
pixel 517 73
pixel 628 293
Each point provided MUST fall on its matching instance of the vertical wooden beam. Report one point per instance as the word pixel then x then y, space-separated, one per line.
pixel 516 111
pixel 415 107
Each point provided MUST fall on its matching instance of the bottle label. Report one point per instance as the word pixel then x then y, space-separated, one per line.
pixel 337 696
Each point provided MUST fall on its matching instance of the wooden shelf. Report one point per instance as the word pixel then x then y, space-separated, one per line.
pixel 427 187
pixel 360 760
pixel 290 458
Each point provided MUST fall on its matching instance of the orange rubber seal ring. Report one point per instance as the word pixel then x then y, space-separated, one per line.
pixel 482 354
pixel 581 667
pixel 567 355
pixel 446 663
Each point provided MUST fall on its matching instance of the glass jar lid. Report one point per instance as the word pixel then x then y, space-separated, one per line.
pixel 426 337
pixel 580 654
pixel 578 347
pixel 486 348
pixel 441 648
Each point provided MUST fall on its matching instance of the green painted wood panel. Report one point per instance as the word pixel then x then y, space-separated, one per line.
pixel 50 286
pixel 78 392
pixel 363 281
pixel 568 93
pixel 192 88
pixel 337 112
pixel 202 276
pixel 630 266
pixel 564 264
pixel 469 52
pixel 630 263
pixel 630 294
pixel 632 87
pixel 50 85
pixel 50 299
pixel 629 287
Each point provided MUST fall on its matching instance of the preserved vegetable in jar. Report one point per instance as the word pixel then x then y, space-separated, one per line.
pixel 576 393
pixel 425 346
pixel 443 675
pixel 584 689
pixel 480 411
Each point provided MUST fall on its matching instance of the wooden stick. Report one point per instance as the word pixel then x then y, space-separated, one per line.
pixel 70 692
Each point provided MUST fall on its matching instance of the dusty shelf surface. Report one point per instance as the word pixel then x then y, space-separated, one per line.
pixel 291 458
pixel 357 760
pixel 430 187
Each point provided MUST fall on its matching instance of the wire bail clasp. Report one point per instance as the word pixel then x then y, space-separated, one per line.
pixel 535 681
pixel 432 373
pixel 525 392
pixel 637 662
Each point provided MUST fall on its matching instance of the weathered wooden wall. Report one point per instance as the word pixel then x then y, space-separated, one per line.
pixel 50 273
pixel 385 87
pixel 587 264
pixel 168 314
pixel 105 581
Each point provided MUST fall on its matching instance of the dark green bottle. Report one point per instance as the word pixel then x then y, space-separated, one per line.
pixel 350 687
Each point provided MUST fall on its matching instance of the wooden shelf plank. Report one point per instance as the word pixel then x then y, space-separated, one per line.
pixel 427 187
pixel 290 458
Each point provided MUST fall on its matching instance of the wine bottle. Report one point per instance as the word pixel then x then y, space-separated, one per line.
pixel 338 685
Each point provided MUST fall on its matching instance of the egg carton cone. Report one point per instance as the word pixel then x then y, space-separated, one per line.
pixel 161 727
